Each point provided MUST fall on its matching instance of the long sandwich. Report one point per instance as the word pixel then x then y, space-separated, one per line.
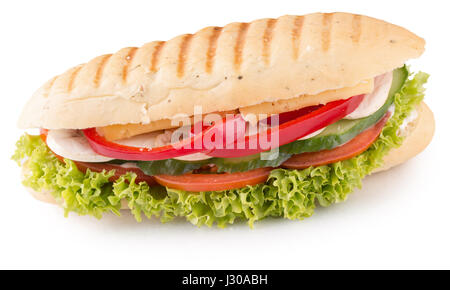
pixel 251 120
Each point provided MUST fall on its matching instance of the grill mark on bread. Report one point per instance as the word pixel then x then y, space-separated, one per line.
pixel 128 59
pixel 72 78
pixel 356 26
pixel 100 68
pixel 182 55
pixel 212 47
pixel 267 39
pixel 155 55
pixel 296 35
pixel 326 30
pixel 49 86
pixel 239 46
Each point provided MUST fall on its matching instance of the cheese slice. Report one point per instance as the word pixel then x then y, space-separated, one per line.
pixel 118 132
pixel 251 114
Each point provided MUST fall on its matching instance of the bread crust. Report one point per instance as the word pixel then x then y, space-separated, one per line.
pixel 419 136
pixel 221 69
pixel 420 133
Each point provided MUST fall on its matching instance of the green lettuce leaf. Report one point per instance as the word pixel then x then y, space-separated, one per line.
pixel 291 194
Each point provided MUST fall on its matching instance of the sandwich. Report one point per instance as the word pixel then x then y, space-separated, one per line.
pixel 270 118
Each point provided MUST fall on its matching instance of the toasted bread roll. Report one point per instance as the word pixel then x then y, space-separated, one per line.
pixel 222 68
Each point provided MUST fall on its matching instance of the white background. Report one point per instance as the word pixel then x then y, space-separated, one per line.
pixel 401 218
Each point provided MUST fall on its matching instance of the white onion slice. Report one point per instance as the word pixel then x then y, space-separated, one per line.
pixel 72 144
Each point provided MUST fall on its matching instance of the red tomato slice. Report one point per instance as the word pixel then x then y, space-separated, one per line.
pixel 352 148
pixel 214 182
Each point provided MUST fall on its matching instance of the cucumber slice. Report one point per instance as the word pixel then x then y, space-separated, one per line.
pixel 241 164
pixel 230 165
pixel 344 130
pixel 170 166
pixel 333 136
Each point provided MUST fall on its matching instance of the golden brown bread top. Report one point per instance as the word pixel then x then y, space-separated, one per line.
pixel 220 69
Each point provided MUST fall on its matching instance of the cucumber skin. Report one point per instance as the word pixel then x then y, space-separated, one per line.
pixel 169 166
pixel 323 141
pixel 224 165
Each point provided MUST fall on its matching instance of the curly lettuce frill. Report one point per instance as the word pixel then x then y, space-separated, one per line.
pixel 292 194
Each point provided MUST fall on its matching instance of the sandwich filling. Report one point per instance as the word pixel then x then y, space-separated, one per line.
pixel 298 156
